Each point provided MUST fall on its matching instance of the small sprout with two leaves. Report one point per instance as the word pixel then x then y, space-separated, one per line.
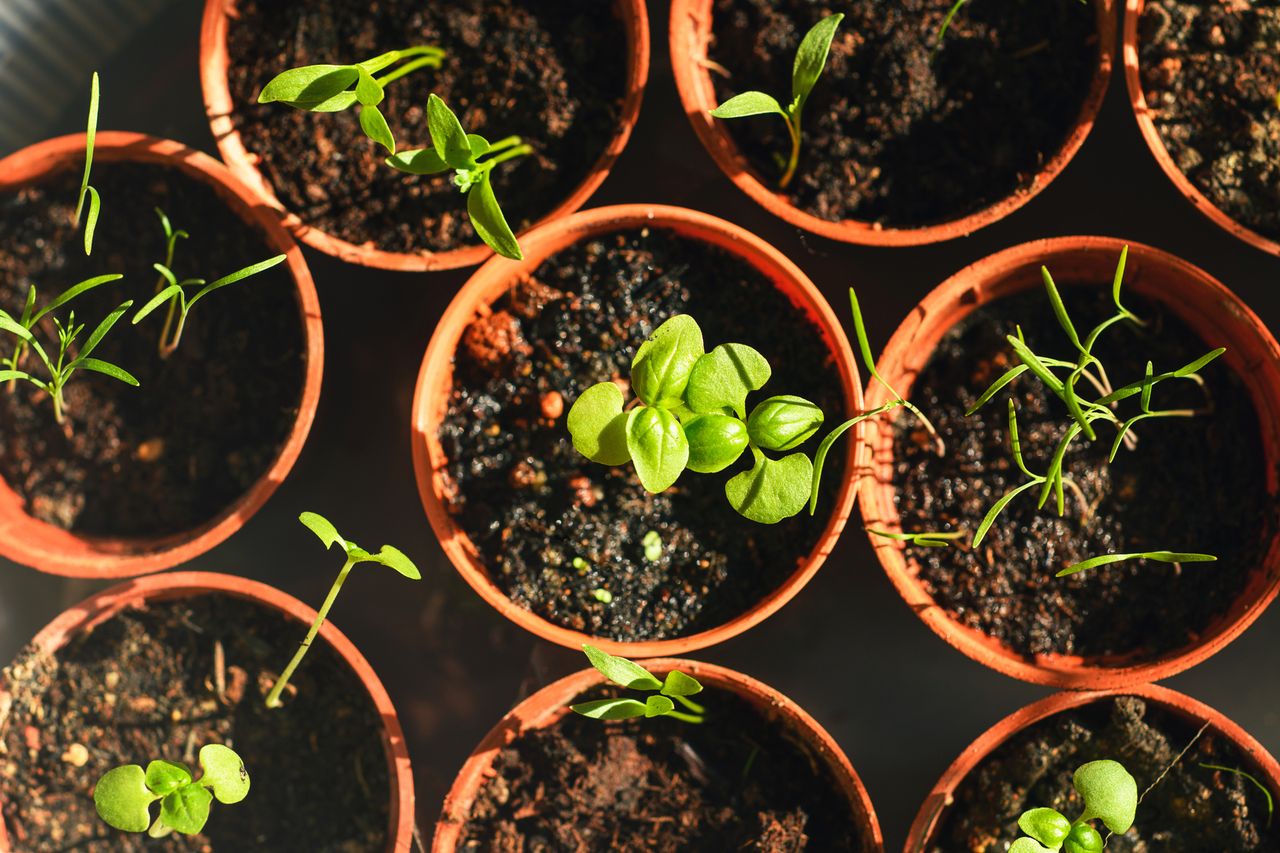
pixel 334 88
pixel 1110 795
pixel 652 543
pixel 690 412
pixel 472 158
pixel 124 795
pixel 677 687
pixel 811 58
pixel 328 534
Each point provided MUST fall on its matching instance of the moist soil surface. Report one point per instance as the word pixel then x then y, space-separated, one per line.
pixel 893 134
pixel 551 71
pixel 1211 74
pixel 1192 810
pixel 1190 484
pixel 146 684
pixel 208 421
pixel 532 504
pixel 738 781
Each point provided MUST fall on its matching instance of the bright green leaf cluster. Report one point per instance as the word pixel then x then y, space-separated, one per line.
pixel 690 412
pixel 811 58
pixel 677 687
pixel 390 557
pixel 124 795
pixel 1110 794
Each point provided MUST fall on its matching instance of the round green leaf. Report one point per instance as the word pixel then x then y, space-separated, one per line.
pixel 679 684
pixel 186 810
pixel 598 426
pixel 1083 839
pixel 773 489
pixel 620 670
pixel 658 447
pixel 784 422
pixel 715 442
pixel 166 776
pixel 1045 825
pixel 662 366
pixel 122 798
pixel 1109 792
pixel 224 772
pixel 722 378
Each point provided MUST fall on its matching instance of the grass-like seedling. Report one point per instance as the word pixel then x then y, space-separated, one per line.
pixel 334 88
pixel 1110 795
pixel 811 58
pixel 472 158
pixel 88 193
pixel 951 15
pixel 173 292
pixel 690 412
pixel 924 539
pixel 1085 413
pixel 124 795
pixel 328 534
pixel 1248 777
pixel 677 687
pixel 30 317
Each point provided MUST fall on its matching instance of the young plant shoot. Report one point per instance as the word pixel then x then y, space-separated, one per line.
pixel 690 412
pixel 951 15
pixel 124 794
pixel 1085 413
pixel 811 58
pixel 328 534
pixel 472 159
pixel 90 216
pixel 677 687
pixel 334 88
pixel 1110 795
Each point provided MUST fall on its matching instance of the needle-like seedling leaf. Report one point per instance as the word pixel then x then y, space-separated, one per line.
pixel 937 43
pixel 124 795
pixel 1266 792
pixel 86 191
pixel 1159 556
pixel 677 687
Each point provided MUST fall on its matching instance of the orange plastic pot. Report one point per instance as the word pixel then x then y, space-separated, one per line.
pixel 242 162
pixel 1142 112
pixel 43 546
pixel 1199 300
pixel 94 611
pixel 1196 713
pixel 691 31
pixel 549 705
pixel 490 282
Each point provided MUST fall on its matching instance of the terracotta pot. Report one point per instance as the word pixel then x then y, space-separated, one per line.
pixel 244 164
pixel 43 546
pixel 136 593
pixel 1196 713
pixel 549 705
pixel 691 31
pixel 1133 80
pixel 491 281
pixel 1205 305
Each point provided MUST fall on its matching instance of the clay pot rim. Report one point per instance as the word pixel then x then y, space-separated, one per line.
pixel 955 296
pixel 214 62
pixel 549 705
pixel 489 282
pixel 1142 114
pixel 975 753
pixel 690 27
pixel 106 604
pixel 65 553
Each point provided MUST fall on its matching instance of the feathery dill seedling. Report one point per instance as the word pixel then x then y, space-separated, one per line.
pixel 124 795
pixel 677 687
pixel 30 317
pixel 1110 795
pixel 811 58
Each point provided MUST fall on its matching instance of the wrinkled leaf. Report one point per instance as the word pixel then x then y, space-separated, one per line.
pixel 1045 825
pixel 224 772
pixel 164 777
pixel 1083 839
pixel 773 489
pixel 598 426
pixel 723 377
pixel 658 447
pixel 663 364
pixel 1110 793
pixel 715 442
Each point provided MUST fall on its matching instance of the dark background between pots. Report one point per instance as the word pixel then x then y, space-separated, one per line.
pixel 899 700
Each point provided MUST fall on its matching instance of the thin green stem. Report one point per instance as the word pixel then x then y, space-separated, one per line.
pixel 793 127
pixel 273 698
pixel 408 68
pixel 690 704
pixel 509 154
pixel 688 718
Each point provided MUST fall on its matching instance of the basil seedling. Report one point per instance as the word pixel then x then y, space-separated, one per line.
pixel 328 534
pixel 677 687
pixel 811 58
pixel 124 795
pixel 1110 795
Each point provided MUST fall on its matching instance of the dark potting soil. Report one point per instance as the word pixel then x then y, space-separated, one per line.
pixel 146 685
pixel 893 134
pixel 532 504
pixel 208 421
pixel 1211 74
pixel 1192 810
pixel 1190 484
pixel 739 781
pixel 551 71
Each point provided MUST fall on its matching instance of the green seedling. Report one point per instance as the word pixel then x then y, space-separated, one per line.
pixel 951 14
pixel 88 193
pixel 471 158
pixel 30 317
pixel 334 88
pixel 652 543
pixel 675 688
pixel 811 58
pixel 1248 777
pixel 328 534
pixel 124 795
pixel 927 539
pixel 1110 795
pixel 172 292
pixel 690 413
